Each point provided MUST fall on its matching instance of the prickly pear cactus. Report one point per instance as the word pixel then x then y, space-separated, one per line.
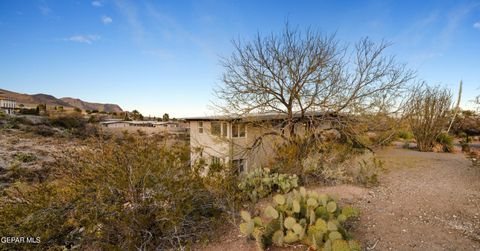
pixel 261 182
pixel 315 220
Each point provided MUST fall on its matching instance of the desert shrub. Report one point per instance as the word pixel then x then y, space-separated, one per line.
pixel 318 162
pixel 68 121
pixel 315 220
pixel 382 138
pixel 467 122
pixel 446 141
pixel 261 182
pixel 327 166
pixel 428 115
pixel 29 111
pixel 465 139
pixel 16 122
pixel 369 171
pixel 406 135
pixel 134 193
pixel 89 130
pixel 25 157
pixel 16 173
pixel 43 130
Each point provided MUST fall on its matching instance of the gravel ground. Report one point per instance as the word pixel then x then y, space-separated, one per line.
pixel 425 201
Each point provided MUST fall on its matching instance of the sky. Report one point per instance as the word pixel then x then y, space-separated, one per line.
pixel 163 56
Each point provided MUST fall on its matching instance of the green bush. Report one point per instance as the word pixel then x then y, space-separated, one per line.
pixel 25 157
pixel 405 135
pixel 122 194
pixel 368 172
pixel 29 111
pixel 16 122
pixel 68 121
pixel 446 141
pixel 260 183
pixel 315 220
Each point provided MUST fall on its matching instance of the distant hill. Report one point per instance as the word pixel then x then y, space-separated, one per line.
pixel 75 102
pixel 35 99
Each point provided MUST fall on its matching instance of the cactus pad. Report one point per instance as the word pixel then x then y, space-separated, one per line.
pixel 289 222
pixel 334 236
pixel 279 199
pixel 247 227
pixel 331 206
pixel 245 215
pixel 271 212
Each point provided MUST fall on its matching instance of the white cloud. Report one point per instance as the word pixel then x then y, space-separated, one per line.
pixel 87 39
pixel 477 25
pixel 107 20
pixel 44 10
pixel 97 4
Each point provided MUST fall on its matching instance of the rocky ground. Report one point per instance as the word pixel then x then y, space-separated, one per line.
pixel 28 154
pixel 425 201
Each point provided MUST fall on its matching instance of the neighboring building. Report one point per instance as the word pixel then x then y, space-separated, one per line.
pixel 230 140
pixel 7 105
pixel 146 126
pixel 115 124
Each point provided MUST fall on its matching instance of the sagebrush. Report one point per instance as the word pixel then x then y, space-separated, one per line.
pixel 133 193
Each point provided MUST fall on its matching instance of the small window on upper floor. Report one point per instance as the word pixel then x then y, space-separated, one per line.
pixel 224 129
pixel 215 128
pixel 238 130
pixel 200 127
pixel 219 128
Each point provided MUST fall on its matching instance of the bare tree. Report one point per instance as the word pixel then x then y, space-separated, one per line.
pixel 298 74
pixel 429 112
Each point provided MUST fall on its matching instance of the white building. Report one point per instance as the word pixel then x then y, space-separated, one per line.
pixel 146 126
pixel 233 140
pixel 7 105
pixel 115 124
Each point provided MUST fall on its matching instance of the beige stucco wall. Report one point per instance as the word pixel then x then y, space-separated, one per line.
pixel 238 148
pixel 206 145
pixel 230 148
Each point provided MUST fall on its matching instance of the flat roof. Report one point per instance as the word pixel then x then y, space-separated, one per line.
pixel 253 116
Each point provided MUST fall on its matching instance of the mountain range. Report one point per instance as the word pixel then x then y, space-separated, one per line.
pixel 49 100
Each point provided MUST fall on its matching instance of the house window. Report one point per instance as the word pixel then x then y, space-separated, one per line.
pixel 216 129
pixel 224 130
pixel 200 127
pixel 219 129
pixel 238 130
pixel 238 165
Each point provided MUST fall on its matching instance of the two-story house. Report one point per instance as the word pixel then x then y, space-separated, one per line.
pixel 7 105
pixel 235 140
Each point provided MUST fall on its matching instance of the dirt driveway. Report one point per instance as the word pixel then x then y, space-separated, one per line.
pixel 425 201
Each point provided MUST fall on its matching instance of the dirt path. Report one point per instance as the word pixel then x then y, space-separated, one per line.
pixel 425 201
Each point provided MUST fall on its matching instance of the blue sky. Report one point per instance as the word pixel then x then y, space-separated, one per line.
pixel 163 56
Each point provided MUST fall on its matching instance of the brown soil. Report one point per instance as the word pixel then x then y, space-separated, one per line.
pixel 45 150
pixel 425 201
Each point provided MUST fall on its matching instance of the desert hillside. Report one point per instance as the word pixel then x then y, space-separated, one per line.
pixel 75 102
pixel 35 99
